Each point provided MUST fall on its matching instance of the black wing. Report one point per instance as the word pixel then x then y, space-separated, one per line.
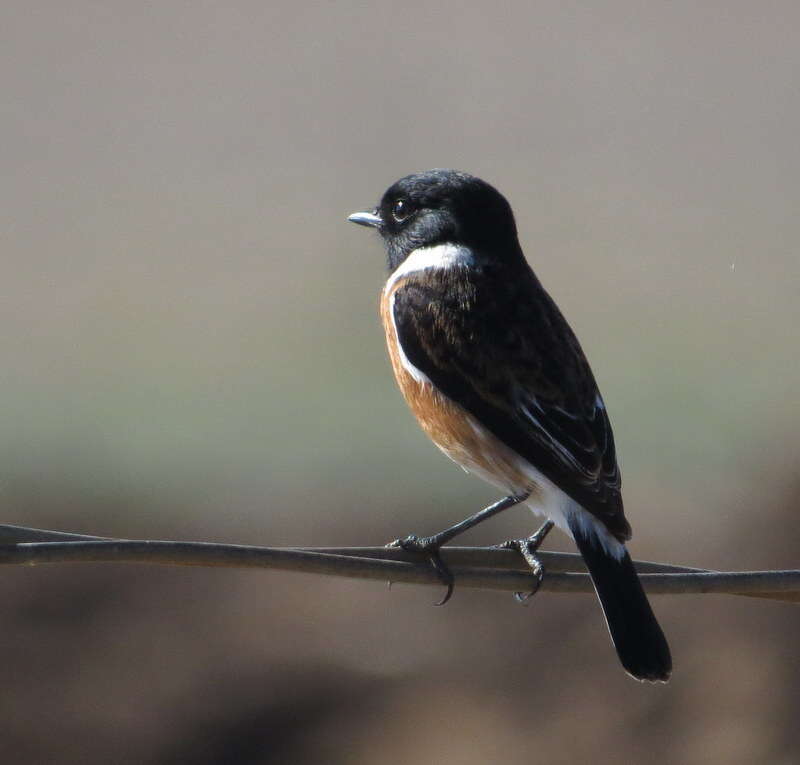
pixel 502 349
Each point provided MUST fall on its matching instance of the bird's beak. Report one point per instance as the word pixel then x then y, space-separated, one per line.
pixel 371 219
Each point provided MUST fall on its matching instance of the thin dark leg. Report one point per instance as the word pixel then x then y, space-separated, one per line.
pixel 429 546
pixel 527 548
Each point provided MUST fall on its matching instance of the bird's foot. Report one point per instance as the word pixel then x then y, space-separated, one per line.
pixel 527 549
pixel 428 547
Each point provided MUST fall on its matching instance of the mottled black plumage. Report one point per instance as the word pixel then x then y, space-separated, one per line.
pixel 514 364
pixel 488 363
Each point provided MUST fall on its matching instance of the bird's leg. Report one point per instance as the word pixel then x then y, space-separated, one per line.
pixel 527 549
pixel 429 546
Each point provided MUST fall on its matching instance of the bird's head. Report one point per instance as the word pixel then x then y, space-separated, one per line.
pixel 442 207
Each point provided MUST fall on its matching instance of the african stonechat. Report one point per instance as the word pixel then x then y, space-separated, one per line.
pixel 499 382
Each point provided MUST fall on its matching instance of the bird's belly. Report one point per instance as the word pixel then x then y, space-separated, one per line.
pixel 460 437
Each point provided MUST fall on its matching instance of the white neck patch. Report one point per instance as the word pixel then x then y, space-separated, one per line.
pixel 438 256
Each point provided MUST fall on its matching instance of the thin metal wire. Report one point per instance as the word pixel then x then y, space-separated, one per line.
pixel 479 567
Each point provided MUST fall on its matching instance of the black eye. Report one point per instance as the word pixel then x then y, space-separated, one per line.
pixel 401 210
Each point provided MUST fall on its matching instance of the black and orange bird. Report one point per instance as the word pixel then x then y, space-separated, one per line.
pixel 498 380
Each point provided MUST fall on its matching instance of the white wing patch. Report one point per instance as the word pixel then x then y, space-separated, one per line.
pixel 565 453
pixel 530 407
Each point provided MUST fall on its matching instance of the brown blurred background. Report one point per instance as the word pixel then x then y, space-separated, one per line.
pixel 190 349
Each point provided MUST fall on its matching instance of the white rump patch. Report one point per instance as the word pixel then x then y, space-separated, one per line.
pixel 552 502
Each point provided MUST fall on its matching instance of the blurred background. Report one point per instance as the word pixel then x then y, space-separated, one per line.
pixel 190 349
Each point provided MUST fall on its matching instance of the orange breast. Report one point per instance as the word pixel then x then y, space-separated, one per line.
pixel 450 426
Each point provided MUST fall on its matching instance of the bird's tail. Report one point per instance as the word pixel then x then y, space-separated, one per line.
pixel 640 643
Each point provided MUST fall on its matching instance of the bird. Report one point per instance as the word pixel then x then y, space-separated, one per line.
pixel 498 380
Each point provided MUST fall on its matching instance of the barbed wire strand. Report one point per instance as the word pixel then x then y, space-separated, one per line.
pixel 478 567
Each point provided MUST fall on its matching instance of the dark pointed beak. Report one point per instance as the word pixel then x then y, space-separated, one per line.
pixel 366 219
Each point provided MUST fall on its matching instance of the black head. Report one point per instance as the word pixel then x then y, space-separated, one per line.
pixel 443 206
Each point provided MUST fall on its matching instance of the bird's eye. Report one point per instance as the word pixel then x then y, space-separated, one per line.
pixel 401 210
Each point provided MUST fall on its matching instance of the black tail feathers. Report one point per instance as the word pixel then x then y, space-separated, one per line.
pixel 637 636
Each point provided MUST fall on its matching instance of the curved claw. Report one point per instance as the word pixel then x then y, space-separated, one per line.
pixel 523 597
pixel 413 544
pixel 446 597
pixel 445 576
pixel 527 549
